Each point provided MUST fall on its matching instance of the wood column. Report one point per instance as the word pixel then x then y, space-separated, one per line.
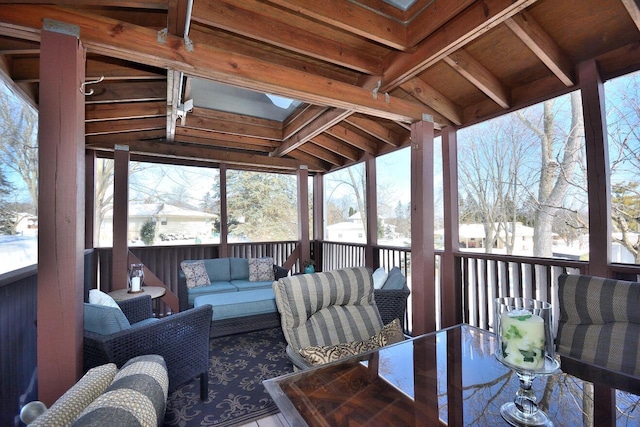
pixel 598 176
pixel 371 202
pixel 303 213
pixel 120 259
pixel 450 280
pixel 89 198
pixel 422 217
pixel 318 219
pixel 61 210
pixel 224 217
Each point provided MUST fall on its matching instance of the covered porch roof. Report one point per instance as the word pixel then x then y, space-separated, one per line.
pixel 187 80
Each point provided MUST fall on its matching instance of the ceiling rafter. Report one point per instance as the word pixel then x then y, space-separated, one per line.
pixel 276 27
pixel 319 125
pixel 473 22
pixel 352 18
pixel 477 74
pixel 374 129
pixel 543 46
pixel 349 136
pixel 427 94
pixel 105 35
pixel 634 11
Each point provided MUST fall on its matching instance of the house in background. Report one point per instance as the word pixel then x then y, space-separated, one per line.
pixel 172 223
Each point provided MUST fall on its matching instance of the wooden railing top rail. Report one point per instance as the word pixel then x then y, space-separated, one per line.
pixel 559 262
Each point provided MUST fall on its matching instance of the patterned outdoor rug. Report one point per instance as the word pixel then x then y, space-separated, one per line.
pixel 238 365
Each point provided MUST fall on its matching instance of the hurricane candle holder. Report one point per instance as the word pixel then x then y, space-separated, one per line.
pixel 136 278
pixel 525 344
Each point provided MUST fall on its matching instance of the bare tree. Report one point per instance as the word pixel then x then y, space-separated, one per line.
pixel 19 140
pixel 560 153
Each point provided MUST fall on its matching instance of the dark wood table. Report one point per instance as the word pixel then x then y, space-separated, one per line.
pixel 450 377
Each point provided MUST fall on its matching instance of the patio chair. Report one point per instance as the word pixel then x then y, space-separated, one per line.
pixel 182 338
pixel 326 309
pixel 600 322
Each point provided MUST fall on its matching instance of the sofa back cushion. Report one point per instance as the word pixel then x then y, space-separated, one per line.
pixel 219 269
pixel 104 320
pixel 239 268
pixel 137 396
pixel 195 274
pixel 327 308
pixel 261 269
pixel 600 321
pixel 69 406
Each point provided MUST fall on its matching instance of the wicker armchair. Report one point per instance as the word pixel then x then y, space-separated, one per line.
pixel 182 339
pixel 392 304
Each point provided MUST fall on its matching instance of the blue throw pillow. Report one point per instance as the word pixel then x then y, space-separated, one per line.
pixel 104 320
pixel 395 280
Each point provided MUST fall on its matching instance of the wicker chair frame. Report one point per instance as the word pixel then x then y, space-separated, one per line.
pixel 182 339
pixel 392 304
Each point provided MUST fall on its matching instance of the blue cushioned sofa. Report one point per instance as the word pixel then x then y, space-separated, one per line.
pixel 239 305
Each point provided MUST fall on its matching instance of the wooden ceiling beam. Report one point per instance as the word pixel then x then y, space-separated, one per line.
pixel 319 125
pixel 237 128
pixel 432 17
pixel 634 11
pixel 226 116
pixel 474 21
pixel 345 150
pixel 174 82
pixel 347 135
pixel 124 111
pixel 118 126
pixel 322 153
pixel 543 46
pixel 479 76
pixel 297 122
pixel 221 143
pixel 374 129
pixel 107 141
pixel 313 163
pixel 283 29
pixel 352 18
pixel 184 133
pixel 428 95
pixel 128 91
pixel 114 38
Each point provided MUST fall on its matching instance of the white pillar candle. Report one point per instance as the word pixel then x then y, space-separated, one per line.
pixel 523 339
pixel 135 284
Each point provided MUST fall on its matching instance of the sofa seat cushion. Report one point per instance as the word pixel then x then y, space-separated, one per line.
pixel 246 285
pixel 239 304
pixel 68 407
pixel 137 396
pixel 213 288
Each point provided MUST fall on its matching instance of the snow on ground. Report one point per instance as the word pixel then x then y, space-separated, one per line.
pixel 17 252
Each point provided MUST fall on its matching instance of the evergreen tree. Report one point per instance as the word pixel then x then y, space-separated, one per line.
pixel 148 232
pixel 7 215
pixel 262 206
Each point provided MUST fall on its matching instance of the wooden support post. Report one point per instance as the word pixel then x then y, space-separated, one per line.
pixel 89 198
pixel 370 256
pixel 450 280
pixel 61 210
pixel 120 263
pixel 598 176
pixel 303 213
pixel 422 217
pixel 224 218
pixel 318 219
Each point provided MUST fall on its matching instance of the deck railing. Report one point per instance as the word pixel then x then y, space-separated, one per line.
pixel 483 277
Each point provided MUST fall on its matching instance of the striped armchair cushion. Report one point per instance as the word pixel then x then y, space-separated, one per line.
pixel 600 322
pixel 327 308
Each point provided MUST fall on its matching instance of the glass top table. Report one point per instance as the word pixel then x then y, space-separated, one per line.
pixel 450 377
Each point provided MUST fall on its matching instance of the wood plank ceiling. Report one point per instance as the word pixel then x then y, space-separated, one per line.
pixel 363 70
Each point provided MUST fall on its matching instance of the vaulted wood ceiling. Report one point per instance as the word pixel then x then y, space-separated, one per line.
pixel 363 69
